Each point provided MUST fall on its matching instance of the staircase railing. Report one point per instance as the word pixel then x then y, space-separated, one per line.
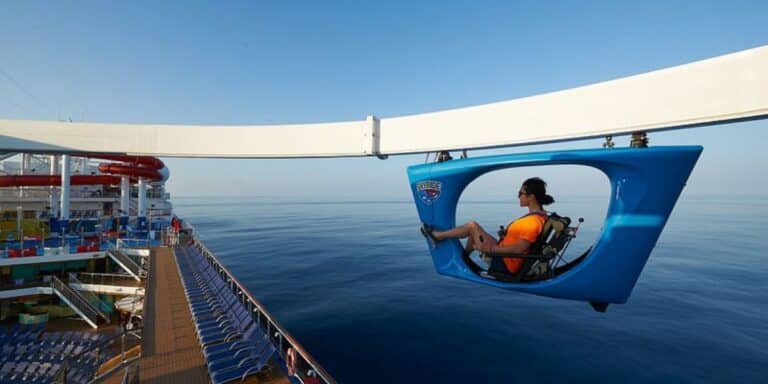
pixel 79 303
pixel 89 296
pixel 127 263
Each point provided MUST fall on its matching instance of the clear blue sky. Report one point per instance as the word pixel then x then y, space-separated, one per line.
pixel 282 62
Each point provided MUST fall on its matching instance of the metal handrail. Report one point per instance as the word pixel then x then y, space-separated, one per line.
pixel 44 192
pixel 127 261
pixel 132 243
pixel 101 346
pixel 7 286
pixel 275 331
pixel 90 297
pixel 116 279
pixel 75 298
pixel 131 375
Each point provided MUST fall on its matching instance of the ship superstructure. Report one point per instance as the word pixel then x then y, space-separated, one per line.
pixel 101 282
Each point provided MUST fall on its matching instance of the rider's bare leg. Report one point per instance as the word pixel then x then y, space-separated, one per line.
pixel 471 229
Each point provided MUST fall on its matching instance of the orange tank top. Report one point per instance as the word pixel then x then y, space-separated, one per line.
pixel 527 228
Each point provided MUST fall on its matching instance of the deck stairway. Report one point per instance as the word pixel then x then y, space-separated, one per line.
pixel 90 297
pixel 127 263
pixel 78 302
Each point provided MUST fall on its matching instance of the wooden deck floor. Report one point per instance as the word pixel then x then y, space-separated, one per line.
pixel 170 352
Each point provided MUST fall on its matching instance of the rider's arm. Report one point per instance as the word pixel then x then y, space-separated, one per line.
pixel 521 246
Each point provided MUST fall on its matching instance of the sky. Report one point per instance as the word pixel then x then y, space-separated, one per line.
pixel 306 62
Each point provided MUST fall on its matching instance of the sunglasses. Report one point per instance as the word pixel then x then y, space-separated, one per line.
pixel 520 193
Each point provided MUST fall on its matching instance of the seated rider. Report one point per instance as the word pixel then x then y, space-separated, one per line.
pixel 519 235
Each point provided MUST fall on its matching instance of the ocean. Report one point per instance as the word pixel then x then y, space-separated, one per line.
pixel 353 282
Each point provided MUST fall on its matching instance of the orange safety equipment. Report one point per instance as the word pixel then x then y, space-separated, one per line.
pixel 527 228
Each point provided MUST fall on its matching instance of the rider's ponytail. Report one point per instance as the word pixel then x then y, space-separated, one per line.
pixel 538 188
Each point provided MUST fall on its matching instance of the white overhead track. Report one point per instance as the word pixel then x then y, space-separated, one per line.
pixel 727 88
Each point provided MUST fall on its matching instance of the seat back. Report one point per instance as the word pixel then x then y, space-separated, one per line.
pixel 553 226
pixel 552 240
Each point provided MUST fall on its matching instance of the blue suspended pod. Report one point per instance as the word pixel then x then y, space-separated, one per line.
pixel 645 184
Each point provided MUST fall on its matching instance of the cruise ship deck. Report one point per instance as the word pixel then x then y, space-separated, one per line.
pixel 177 346
pixel 102 249
pixel 170 351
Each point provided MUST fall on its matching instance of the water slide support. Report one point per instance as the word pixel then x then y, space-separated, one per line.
pixel 142 214
pixel 125 190
pixel 54 201
pixel 66 162
pixel 22 171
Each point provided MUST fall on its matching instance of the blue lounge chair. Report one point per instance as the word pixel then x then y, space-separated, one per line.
pixel 244 368
pixel 246 344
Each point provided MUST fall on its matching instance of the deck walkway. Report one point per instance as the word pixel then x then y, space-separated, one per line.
pixel 170 352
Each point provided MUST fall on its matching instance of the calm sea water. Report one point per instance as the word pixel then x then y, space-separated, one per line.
pixel 353 282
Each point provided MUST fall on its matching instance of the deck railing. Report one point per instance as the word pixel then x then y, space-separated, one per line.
pixel 125 359
pixel 133 243
pixel 23 283
pixel 44 193
pixel 305 365
pixel 115 279
pixel 169 237
pixel 131 374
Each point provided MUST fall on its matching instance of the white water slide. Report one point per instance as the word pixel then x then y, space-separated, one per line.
pixel 727 88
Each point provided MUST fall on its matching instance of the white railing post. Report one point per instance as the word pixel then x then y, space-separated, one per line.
pixel 125 194
pixel 65 194
pixel 53 198
pixel 142 214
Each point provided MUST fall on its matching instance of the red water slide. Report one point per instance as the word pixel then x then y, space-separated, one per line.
pixel 130 170
pixel 54 180
pixel 134 166
pixel 144 161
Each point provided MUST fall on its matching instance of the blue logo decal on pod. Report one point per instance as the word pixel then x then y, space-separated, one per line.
pixel 429 191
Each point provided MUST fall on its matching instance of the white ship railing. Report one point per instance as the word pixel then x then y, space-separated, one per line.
pixel 132 243
pixel 45 192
